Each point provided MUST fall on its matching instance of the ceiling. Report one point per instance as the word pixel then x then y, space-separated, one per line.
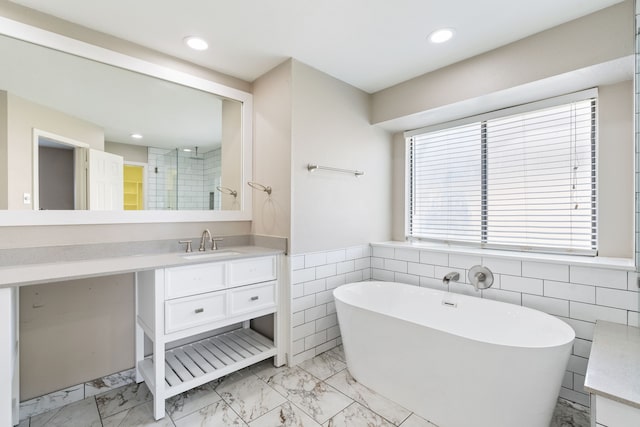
pixel 371 44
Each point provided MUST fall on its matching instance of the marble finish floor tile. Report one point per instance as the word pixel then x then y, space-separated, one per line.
pixel 345 383
pixel 218 414
pixel 138 416
pixel 109 382
pixel 315 397
pixel 265 369
pixel 323 366
pixel 356 415
pixel 416 421
pixel 83 413
pixel 261 395
pixel 568 414
pixel 337 353
pixel 51 401
pixel 248 395
pixel 285 415
pixel 122 398
pixel 191 401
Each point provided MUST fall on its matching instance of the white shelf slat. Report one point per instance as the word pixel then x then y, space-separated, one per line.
pixel 199 360
pixel 208 356
pixel 197 363
pixel 245 344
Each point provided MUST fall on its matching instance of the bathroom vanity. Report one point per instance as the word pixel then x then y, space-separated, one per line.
pixel 179 303
pixel 613 375
pixel 194 308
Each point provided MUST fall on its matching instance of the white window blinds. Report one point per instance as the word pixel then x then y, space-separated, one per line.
pixel 524 181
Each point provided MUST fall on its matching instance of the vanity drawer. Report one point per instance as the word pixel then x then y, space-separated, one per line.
pixel 194 279
pixel 192 311
pixel 252 298
pixel 252 270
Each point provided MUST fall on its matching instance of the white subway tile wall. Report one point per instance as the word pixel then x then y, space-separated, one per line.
pixel 313 278
pixel 576 294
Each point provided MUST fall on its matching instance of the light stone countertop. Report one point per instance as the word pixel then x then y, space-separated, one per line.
pixel 30 274
pixel 614 363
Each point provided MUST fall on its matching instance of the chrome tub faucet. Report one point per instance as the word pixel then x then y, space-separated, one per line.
pixel 453 276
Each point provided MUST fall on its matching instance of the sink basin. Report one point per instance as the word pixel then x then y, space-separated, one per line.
pixel 207 255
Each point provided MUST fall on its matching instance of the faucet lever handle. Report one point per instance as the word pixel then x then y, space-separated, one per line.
pixel 214 243
pixel 188 243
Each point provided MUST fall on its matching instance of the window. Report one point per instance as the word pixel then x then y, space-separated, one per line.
pixel 522 178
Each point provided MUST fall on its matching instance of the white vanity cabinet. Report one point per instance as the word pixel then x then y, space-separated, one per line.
pixel 613 375
pixel 607 412
pixel 10 357
pixel 182 304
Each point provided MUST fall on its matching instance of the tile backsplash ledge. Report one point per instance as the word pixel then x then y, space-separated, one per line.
pixel 551 258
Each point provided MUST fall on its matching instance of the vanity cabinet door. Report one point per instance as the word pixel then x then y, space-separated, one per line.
pixel 252 270
pixel 194 279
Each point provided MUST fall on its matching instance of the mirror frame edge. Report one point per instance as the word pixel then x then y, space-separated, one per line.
pixel 31 34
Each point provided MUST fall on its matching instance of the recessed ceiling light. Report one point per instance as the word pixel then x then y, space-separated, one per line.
pixel 441 36
pixel 186 150
pixel 196 43
pixel 136 136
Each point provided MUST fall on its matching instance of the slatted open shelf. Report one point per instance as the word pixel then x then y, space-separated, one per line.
pixel 200 362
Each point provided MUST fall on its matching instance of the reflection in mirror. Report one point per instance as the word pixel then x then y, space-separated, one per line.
pixel 129 141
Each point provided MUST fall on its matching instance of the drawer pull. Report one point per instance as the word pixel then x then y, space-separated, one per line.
pixel 254 298
pixel 199 310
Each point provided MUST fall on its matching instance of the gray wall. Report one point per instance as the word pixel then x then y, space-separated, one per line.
pixel 23 116
pixel 129 152
pixel 331 128
pixel 56 178
pixel 272 121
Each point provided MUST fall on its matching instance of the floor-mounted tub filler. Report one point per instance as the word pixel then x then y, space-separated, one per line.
pixel 455 360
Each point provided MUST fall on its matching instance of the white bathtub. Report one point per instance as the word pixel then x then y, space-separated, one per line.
pixel 476 363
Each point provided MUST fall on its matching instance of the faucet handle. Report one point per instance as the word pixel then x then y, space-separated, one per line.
pixel 188 243
pixel 214 243
pixel 480 277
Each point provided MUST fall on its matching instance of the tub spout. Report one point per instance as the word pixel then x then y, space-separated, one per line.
pixel 450 276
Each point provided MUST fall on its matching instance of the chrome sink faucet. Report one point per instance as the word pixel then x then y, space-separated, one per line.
pixel 205 233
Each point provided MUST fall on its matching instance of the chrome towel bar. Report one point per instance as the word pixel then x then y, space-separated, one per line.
pixel 311 167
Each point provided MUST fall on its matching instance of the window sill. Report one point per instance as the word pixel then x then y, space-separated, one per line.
pixel 626 264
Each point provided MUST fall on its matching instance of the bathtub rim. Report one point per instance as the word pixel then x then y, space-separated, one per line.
pixel 564 328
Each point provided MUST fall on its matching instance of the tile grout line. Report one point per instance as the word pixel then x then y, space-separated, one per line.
pixel 352 399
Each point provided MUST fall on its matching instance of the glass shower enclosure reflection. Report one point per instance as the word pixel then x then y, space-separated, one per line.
pixel 182 179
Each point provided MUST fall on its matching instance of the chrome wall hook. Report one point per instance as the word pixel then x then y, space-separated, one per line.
pixel 227 190
pixel 260 187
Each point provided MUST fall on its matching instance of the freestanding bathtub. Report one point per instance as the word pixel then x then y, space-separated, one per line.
pixel 455 360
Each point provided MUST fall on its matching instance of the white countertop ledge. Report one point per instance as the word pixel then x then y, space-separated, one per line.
pixel 626 264
pixel 30 274
pixel 614 363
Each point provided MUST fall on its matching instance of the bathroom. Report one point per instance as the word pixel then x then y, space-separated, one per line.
pixel 336 225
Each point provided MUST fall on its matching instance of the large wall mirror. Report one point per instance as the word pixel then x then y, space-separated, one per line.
pixel 89 135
